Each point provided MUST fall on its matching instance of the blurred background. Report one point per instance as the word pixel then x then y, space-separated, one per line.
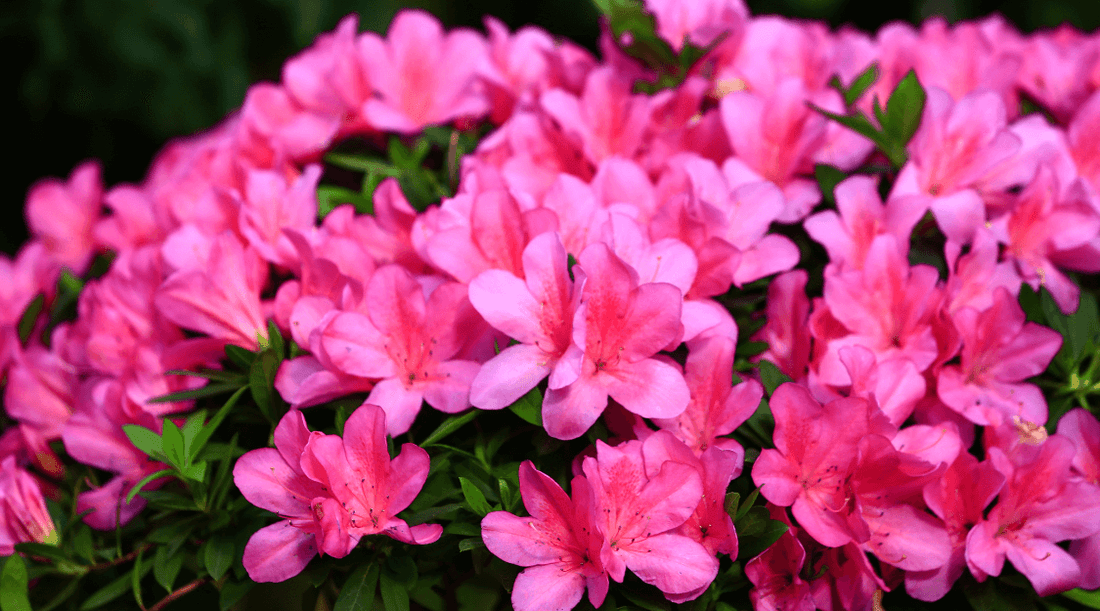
pixel 115 79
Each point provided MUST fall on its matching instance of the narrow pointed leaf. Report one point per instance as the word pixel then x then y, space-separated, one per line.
pixel 449 426
pixel 529 407
pixel 145 440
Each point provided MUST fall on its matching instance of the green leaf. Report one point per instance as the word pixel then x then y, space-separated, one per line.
pixel 733 500
pixel 474 497
pixel 857 122
pixel 204 435
pixel 166 499
pixel 508 498
pixel 464 529
pixel 828 177
pixel 232 592
pixel 859 85
pixel 1089 598
pixel 145 480
pixel 343 412
pixel 13 585
pixel 82 542
pixel 42 550
pixel 761 532
pixel 239 356
pixel 402 569
pixel 166 567
pixel 209 390
pixel 771 376
pixel 275 340
pixel 466 545
pixel 113 590
pixel 449 426
pixel 135 581
pixel 529 407
pixel 190 428
pixel 359 590
pixel 750 501
pixel 172 438
pixel 262 383
pixel 903 110
pixel 145 440
pixel 394 595
pixel 29 317
pixel 196 472
pixel 219 555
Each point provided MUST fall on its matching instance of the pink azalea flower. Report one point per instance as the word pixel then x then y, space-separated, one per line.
pixel 605 120
pixel 716 407
pixel 1040 505
pixel 1000 350
pixel 275 129
pixel 1082 428
pixel 408 340
pixel 272 204
pixel 786 331
pixel 420 75
pixel 640 497
pixel 537 312
pixel 23 515
pixel 620 324
pixel 63 214
pixel 223 298
pixel 94 436
pixel 814 457
pixel 328 77
pixel 860 217
pixel 886 307
pixel 773 137
pixel 700 23
pixel 560 544
pixel 957 146
pixel 320 487
pixel 959 498
pixel 776 577
pixel 1051 226
pixel 39 390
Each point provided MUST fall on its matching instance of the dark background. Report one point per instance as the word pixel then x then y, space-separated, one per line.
pixel 115 79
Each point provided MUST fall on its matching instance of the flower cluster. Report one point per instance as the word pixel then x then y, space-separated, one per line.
pixel 593 257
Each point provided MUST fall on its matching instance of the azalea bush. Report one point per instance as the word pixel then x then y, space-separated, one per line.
pixel 743 314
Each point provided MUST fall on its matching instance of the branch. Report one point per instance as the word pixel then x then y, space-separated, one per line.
pixel 120 559
pixel 183 591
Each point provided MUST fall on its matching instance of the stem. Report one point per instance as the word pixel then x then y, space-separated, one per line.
pixel 183 591
pixel 120 559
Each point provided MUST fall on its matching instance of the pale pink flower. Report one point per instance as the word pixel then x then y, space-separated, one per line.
pixel 605 120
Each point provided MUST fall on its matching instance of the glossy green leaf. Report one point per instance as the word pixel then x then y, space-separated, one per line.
pixel 1088 598
pixel 859 86
pixel 448 426
pixel 172 439
pixel 210 390
pixel 145 481
pixel 466 545
pixel 207 430
pixel 240 357
pixel 828 177
pixel 394 595
pixel 135 579
pixel 903 110
pixel 529 407
pixel 166 567
pixel 29 318
pixel 218 555
pixel 771 377
pixel 474 497
pixel 232 592
pixel 145 440
pixel 360 590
